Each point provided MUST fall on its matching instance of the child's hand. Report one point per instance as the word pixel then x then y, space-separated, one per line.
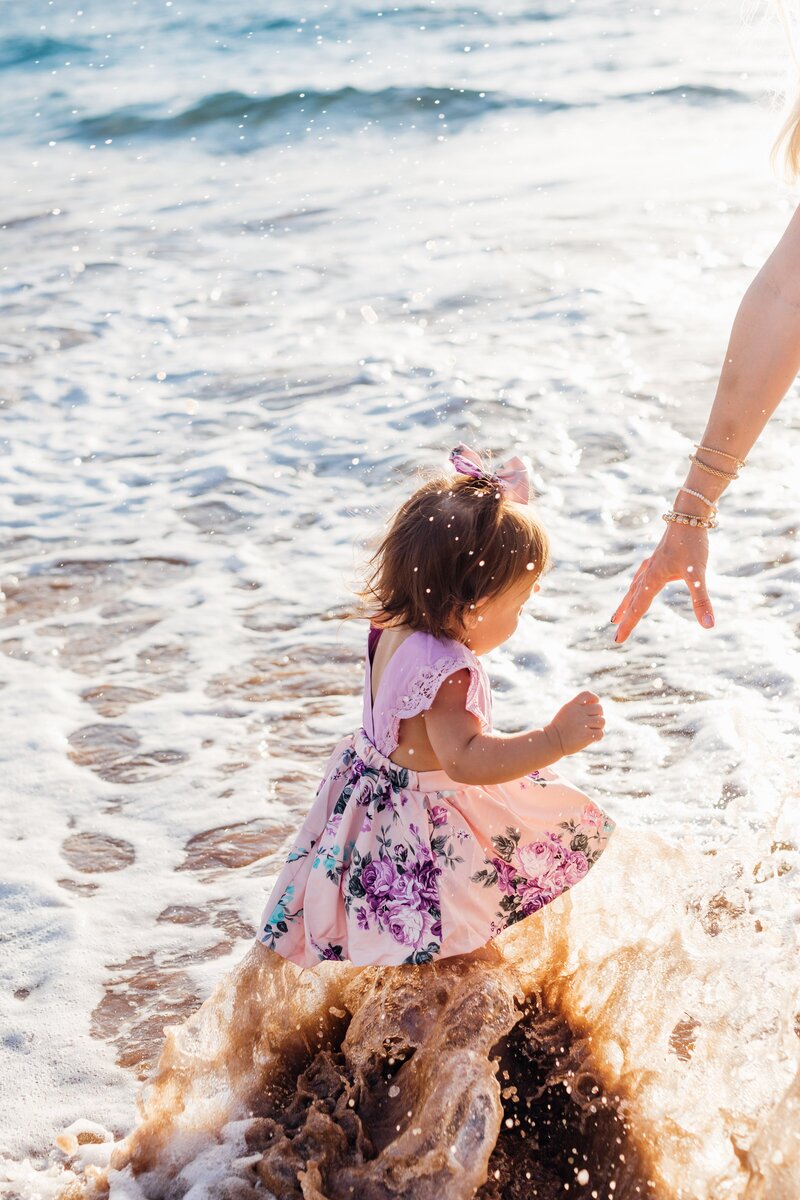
pixel 579 723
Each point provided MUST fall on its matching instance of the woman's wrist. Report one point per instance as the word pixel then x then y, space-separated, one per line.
pixel 693 506
pixel 699 494
pixel 711 472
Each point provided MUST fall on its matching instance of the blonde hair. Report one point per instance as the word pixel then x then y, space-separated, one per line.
pixel 786 146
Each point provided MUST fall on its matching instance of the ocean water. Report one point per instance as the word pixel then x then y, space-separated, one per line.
pixel 261 266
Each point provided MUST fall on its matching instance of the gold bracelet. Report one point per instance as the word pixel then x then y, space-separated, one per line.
pixel 740 462
pixel 679 518
pixel 713 470
pixel 700 496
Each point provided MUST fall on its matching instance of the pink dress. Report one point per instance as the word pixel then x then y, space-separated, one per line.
pixel 396 866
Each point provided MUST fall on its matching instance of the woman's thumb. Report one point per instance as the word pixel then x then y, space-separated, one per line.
pixel 701 602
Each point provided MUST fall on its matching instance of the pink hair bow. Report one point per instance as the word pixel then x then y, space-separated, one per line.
pixel 512 477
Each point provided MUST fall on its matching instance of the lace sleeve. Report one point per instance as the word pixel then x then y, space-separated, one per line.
pixel 425 685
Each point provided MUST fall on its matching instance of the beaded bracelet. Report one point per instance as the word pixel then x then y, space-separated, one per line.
pixel 679 518
pixel 700 496
pixel 740 462
pixel 713 470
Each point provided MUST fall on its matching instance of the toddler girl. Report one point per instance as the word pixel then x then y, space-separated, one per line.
pixel 430 833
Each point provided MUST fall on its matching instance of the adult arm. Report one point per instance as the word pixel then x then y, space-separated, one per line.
pixel 762 360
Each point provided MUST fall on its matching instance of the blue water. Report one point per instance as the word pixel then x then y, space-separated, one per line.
pixel 237 78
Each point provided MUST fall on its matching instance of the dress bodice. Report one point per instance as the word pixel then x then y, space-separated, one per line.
pixel 411 679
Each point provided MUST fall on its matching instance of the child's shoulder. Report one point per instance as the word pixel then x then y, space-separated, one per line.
pixel 443 657
pixel 433 647
pixel 423 657
pixel 433 658
pixel 421 665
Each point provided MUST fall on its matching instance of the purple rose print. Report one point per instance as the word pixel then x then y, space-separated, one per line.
pixel 378 876
pixel 328 953
pixel 529 876
pixel 575 866
pixel 593 817
pixel 406 925
pixel 439 815
pixel 333 953
pixel 378 879
pixel 537 858
pixel 362 793
pixel 358 768
pixel 534 895
pixel 425 872
pixel 406 890
pixel 362 920
pixel 505 876
pixel 401 899
pixel 556 880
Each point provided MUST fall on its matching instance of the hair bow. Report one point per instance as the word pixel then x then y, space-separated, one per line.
pixel 512 477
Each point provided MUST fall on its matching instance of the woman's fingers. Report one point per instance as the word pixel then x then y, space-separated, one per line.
pixel 646 591
pixel 619 615
pixel 681 554
pixel 629 594
pixel 648 588
pixel 701 601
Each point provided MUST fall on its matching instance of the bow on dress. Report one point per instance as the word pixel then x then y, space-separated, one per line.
pixel 512 477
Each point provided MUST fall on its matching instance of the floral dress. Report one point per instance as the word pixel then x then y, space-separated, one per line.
pixel 396 866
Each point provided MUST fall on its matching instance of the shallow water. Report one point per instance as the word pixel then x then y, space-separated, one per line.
pixel 258 269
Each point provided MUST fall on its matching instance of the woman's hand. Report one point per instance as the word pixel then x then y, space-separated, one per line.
pixel 762 359
pixel 682 553
pixel 579 723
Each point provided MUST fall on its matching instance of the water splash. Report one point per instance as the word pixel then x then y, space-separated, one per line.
pixel 640 1033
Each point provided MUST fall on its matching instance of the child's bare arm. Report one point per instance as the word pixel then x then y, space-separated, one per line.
pixel 472 757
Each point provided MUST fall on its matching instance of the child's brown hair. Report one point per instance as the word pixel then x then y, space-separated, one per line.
pixel 455 540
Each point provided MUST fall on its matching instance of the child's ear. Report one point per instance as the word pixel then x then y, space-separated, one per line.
pixel 475 611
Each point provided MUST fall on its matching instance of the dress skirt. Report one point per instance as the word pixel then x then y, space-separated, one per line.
pixel 396 866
